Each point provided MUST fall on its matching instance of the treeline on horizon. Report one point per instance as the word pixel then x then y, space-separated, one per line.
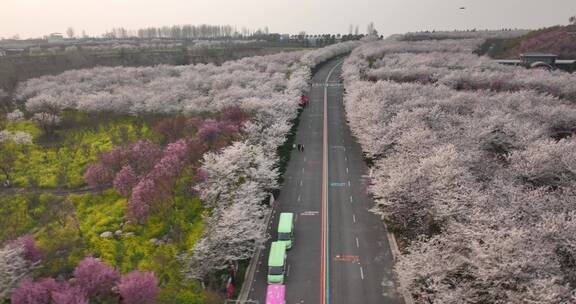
pixel 206 31
pixel 191 32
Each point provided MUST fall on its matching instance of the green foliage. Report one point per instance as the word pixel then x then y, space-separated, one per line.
pixel 16 216
pixel 179 227
pixel 27 126
pixel 61 162
pixel 69 226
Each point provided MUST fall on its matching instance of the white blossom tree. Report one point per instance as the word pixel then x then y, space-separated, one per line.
pixel 13 267
pixel 473 166
pixel 238 180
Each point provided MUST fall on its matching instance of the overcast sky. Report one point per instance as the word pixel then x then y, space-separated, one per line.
pixel 36 18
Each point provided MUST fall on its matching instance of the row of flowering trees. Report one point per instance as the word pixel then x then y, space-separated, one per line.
pixel 478 182
pixel 248 108
pixel 237 180
pixel 146 172
pixel 92 280
pixel 466 71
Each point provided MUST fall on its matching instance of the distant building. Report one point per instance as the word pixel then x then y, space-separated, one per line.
pixel 55 38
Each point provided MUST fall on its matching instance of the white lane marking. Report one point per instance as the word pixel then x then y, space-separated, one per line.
pixel 288 271
pixel 354 217
pixel 348 183
pixel 304 158
pixel 361 273
pixel 310 212
pixel 346 158
pixel 357 243
pixel 296 217
pixel 298 197
pixel 351 200
pixel 346 169
pixel 300 183
pixel 302 170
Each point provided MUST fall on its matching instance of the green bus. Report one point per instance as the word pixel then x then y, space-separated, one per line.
pixel 286 229
pixel 277 263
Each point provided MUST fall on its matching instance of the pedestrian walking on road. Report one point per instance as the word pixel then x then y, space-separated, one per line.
pixel 299 147
pixel 302 148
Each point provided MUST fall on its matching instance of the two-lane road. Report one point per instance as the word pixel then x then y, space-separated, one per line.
pixel 341 252
pixel 361 261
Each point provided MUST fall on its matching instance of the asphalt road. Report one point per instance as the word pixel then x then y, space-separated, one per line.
pixel 341 252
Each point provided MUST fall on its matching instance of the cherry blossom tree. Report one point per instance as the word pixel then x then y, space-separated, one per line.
pixel 236 183
pixel 15 115
pixel 138 288
pixel 156 185
pixel 235 164
pixel 17 260
pixel 140 157
pixel 95 278
pixel 30 292
pixel 47 121
pixel 18 137
pixel 314 58
pixel 125 180
pixel 32 252
pixel 97 176
pixel 473 167
pixel 69 295
pixel 140 202
pixel 172 128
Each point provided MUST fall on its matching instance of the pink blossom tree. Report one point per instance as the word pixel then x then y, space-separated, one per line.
pixel 172 128
pixel 156 185
pixel 209 131
pixel 125 180
pixel 69 294
pixel 98 176
pixel 32 251
pixel 139 204
pixel 138 288
pixel 30 292
pixel 142 155
pixel 95 278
